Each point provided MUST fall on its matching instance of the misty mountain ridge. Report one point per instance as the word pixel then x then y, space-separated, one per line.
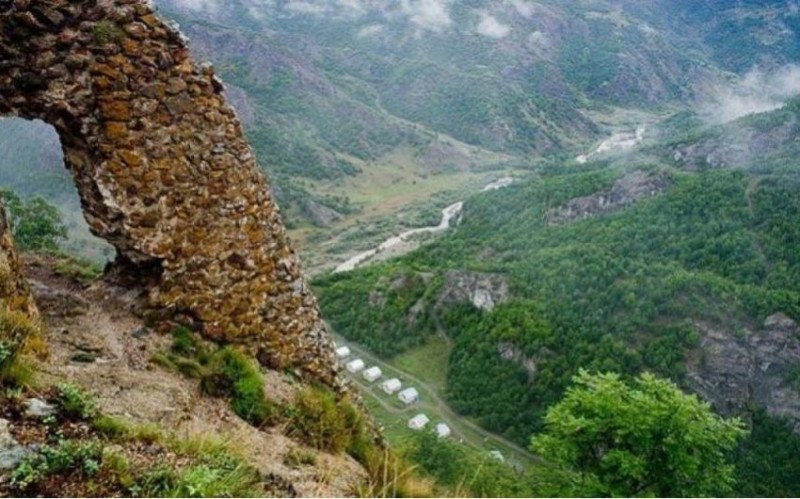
pixel 339 87
pixel 644 214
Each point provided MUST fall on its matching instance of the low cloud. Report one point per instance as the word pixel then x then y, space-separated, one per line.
pixel 371 30
pixel 491 27
pixel 524 8
pixel 306 7
pixel 421 15
pixel 433 15
pixel 199 5
pixel 756 92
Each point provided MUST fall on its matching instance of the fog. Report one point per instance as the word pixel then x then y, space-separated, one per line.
pixel 756 92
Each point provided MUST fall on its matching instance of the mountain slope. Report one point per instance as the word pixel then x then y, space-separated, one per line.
pixel 331 89
pixel 655 262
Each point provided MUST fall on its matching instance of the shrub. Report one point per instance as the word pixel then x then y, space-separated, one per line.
pixel 323 422
pixel 83 457
pixel 230 374
pixel 75 403
pixel 15 329
pixel 35 223
pixel 317 420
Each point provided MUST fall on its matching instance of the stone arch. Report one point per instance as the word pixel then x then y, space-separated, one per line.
pixel 163 171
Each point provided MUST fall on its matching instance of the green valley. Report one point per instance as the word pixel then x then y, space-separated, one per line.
pixel 605 277
pixel 643 241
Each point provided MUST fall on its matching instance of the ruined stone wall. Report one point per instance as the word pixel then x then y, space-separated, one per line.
pixel 163 171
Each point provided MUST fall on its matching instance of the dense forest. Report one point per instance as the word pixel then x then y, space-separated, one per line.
pixel 620 291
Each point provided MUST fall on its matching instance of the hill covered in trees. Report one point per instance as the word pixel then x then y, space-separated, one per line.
pixel 660 262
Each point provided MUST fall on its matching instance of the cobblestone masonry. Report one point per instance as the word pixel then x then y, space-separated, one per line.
pixel 164 172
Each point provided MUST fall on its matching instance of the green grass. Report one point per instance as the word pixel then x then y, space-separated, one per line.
pixel 387 197
pixel 428 362
pixel 232 375
pixel 325 421
pixel 394 425
pixel 223 372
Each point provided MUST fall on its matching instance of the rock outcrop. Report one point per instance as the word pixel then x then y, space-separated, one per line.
pixel 632 187
pixel 15 294
pixel 483 290
pixel 738 146
pixel 163 171
pixel 758 367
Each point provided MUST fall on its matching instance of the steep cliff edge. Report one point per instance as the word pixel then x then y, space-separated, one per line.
pixel 94 342
pixel 164 173
pixel 756 367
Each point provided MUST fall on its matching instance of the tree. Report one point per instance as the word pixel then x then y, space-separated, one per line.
pixel 606 438
pixel 35 224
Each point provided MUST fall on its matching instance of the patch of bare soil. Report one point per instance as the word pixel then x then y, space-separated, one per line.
pixel 96 342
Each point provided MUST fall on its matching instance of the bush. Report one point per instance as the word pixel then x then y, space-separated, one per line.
pixel 75 403
pixel 317 421
pixel 463 470
pixel 35 223
pixel 15 329
pixel 66 456
pixel 323 422
pixel 230 374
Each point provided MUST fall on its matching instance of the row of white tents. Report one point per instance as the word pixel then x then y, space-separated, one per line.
pixel 390 387
pixel 420 421
pixel 374 373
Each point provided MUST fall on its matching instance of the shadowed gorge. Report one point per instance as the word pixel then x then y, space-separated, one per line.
pixel 164 172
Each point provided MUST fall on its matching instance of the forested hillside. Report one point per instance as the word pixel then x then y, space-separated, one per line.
pixel 331 91
pixel 669 248
pixel 614 266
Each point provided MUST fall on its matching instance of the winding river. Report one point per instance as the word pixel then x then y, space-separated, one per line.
pixel 618 141
pixel 448 214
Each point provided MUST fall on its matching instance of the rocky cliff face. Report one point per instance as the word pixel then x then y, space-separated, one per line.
pixel 483 290
pixel 629 189
pixel 163 171
pixel 744 144
pixel 757 367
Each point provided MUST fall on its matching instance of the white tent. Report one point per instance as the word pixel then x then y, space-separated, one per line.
pixel 496 454
pixel 372 373
pixel 355 366
pixel 409 395
pixel 443 430
pixel 390 386
pixel 343 352
pixel 418 422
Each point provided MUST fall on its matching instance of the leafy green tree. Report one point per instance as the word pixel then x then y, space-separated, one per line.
pixel 36 224
pixel 463 470
pixel 607 438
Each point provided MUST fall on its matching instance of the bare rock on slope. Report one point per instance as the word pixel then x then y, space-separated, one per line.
pixel 733 371
pixel 483 290
pixel 629 189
